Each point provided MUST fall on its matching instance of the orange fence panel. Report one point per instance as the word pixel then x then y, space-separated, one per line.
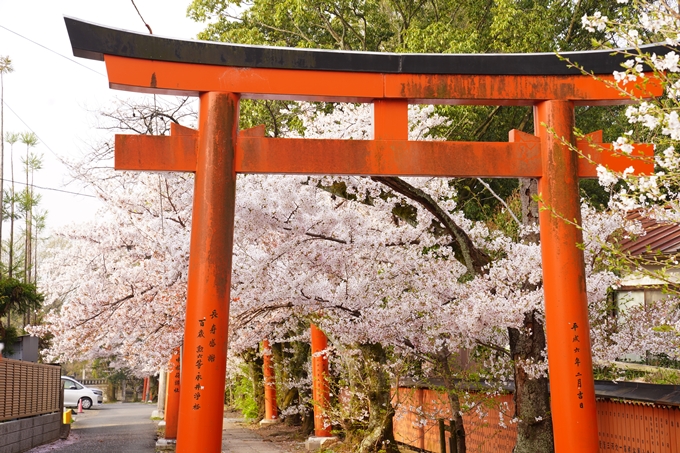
pixel 622 426
pixel 675 430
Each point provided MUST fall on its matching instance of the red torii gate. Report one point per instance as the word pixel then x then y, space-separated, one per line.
pixel 220 74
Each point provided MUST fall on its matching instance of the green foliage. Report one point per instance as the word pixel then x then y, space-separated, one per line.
pixel 274 115
pixel 663 376
pixel 242 397
pixel 501 220
pixel 6 65
pixel 101 369
pixel 433 26
pixel 8 337
pixel 476 201
pixel 662 360
pixel 344 24
pixel 18 297
pixel 613 373
pixel 667 374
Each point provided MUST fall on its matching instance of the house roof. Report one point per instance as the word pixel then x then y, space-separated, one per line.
pixel 662 395
pixel 659 237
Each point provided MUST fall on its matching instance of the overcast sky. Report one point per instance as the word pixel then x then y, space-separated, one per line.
pixel 53 93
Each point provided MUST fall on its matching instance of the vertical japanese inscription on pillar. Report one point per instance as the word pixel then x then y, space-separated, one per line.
pixel 199 363
pixel 175 373
pixel 206 332
pixel 576 343
pixel 211 335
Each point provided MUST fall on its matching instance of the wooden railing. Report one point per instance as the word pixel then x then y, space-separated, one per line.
pixel 89 382
pixel 622 426
pixel 28 389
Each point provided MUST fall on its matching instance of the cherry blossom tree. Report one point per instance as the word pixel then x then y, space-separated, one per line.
pixel 389 268
pixel 396 296
pixel 654 121
pixel 123 290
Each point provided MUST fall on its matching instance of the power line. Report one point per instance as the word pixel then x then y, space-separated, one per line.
pixel 51 188
pixel 53 51
pixel 30 129
pixel 140 16
pixel 48 147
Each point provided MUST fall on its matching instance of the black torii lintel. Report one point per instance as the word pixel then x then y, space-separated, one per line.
pixel 93 41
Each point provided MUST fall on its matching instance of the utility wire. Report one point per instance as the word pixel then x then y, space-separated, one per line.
pixel 46 146
pixel 54 51
pixel 140 16
pixel 51 188
pixel 29 128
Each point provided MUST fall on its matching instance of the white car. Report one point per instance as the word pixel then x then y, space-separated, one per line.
pixel 74 391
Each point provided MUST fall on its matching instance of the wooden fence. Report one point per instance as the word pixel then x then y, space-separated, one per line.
pixel 418 410
pixel 623 426
pixel 90 382
pixel 28 389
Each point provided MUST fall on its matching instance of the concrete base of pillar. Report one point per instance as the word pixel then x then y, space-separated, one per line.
pixel 264 421
pixel 157 415
pixel 166 444
pixel 317 443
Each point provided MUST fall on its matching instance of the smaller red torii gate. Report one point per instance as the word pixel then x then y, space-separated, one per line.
pixel 221 74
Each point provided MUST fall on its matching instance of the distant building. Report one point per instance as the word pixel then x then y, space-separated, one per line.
pixel 660 242
pixel 25 348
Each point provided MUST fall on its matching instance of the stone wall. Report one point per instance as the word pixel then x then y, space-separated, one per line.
pixel 17 436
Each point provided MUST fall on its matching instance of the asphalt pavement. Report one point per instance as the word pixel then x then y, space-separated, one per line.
pixel 237 439
pixel 128 428
pixel 109 428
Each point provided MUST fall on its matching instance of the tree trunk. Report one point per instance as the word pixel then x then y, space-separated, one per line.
pixel 528 188
pixel 454 402
pixel 2 153
pixel 111 392
pixel 27 229
pixel 10 267
pixel 532 397
pixel 255 362
pixel 532 402
pixel 379 434
pixel 307 426
pixel 290 363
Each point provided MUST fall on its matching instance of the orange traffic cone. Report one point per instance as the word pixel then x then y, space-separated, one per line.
pixel 80 406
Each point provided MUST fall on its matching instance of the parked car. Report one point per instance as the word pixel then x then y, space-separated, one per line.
pixel 99 393
pixel 74 392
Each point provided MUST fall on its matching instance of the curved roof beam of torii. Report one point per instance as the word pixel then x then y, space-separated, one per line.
pixel 148 63
pixel 94 41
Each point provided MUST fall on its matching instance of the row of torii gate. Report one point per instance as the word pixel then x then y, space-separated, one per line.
pixel 221 74
pixel 320 390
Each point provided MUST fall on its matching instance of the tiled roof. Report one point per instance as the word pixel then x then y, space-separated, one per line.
pixel 659 237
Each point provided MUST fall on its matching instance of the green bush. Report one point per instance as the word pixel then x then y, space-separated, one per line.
pixel 8 337
pixel 663 376
pixel 242 397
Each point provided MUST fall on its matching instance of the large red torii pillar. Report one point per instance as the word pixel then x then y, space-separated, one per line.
pixel 220 74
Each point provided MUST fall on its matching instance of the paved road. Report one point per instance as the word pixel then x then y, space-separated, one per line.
pixel 237 439
pixel 128 428
pixel 110 428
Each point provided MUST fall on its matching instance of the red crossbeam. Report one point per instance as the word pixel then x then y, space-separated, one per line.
pixel 157 152
pixel 520 157
pixel 162 77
